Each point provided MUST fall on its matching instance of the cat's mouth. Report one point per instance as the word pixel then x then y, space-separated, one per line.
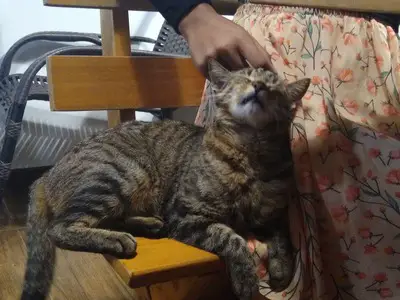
pixel 255 97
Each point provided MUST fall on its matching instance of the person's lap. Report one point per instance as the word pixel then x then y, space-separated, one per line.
pixel 346 147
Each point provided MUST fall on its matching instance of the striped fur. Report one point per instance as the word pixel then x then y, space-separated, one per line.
pixel 206 187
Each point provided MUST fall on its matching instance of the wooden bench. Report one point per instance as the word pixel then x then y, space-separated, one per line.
pixel 163 269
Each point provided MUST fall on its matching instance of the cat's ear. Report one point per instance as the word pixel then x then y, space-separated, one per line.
pixel 296 90
pixel 217 74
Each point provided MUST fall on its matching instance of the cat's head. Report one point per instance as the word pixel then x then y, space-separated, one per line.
pixel 255 97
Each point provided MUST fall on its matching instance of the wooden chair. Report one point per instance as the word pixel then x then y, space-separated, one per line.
pixel 163 269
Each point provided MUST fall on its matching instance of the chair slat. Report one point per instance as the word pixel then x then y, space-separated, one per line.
pixel 105 83
pixel 224 7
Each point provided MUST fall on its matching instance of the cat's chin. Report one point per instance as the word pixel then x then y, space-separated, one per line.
pixel 252 114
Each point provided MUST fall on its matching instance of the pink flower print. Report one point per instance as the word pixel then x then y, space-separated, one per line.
pixel 371 175
pixel 368 214
pixel 365 43
pixel 397 69
pixel 379 61
pixel 324 183
pixel 354 161
pixel 361 275
pixel 385 292
pixel 389 250
pixel 308 95
pixel 286 62
pixel 274 56
pixel 305 179
pixel 327 24
pixel 394 154
pixel 360 20
pixel 364 120
pixel 383 127
pixel 278 27
pixel 340 213
pixel 322 130
pixel 349 38
pixel 389 110
pixel 294 28
pixel 344 144
pixel 323 108
pixel 261 271
pixel 380 277
pixel 372 114
pixel 288 16
pixel 352 193
pixel 345 75
pixel 393 177
pixel 370 249
pixel 251 244
pixel 391 33
pixel 280 41
pixel 365 233
pixel 358 56
pixel 350 105
pixel 252 22
pixel 316 80
pixel 371 86
pixel 374 153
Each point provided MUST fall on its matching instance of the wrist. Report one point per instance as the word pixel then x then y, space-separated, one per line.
pixel 195 18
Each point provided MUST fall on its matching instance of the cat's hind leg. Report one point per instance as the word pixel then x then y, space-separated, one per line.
pixel 79 236
pixel 76 227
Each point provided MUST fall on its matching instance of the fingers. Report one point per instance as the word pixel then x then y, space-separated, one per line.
pixel 256 55
pixel 232 59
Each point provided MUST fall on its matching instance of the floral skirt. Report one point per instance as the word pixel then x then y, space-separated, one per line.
pixel 346 146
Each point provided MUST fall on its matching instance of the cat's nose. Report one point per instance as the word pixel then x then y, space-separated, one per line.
pixel 258 86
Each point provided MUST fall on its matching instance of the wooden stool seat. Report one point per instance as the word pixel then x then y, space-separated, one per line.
pixel 160 260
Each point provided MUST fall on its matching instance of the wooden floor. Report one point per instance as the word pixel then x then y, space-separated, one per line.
pixel 78 276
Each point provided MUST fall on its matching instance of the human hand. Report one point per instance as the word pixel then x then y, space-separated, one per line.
pixel 210 35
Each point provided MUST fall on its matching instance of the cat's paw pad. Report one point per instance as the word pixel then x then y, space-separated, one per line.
pixel 123 245
pixel 280 274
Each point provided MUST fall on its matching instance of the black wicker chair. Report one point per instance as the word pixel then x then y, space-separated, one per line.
pixel 17 89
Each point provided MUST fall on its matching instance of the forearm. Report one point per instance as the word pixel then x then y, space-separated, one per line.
pixel 175 10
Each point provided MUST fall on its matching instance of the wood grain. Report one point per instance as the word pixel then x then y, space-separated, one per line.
pixel 224 7
pixel 78 276
pixel 116 42
pixel 164 260
pixel 390 6
pixel 102 83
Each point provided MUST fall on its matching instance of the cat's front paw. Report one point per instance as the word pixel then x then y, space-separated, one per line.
pixel 121 245
pixel 244 280
pixel 280 273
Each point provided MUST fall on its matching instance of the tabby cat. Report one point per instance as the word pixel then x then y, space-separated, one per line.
pixel 210 188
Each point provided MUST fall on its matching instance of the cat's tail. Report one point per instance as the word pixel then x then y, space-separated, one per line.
pixel 41 251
